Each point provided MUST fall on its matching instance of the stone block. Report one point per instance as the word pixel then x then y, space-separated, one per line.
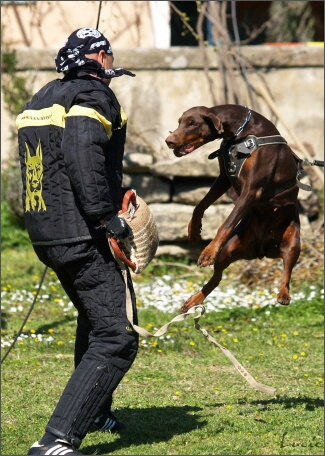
pixel 192 190
pixel 173 219
pixel 195 164
pixel 151 189
pixel 137 162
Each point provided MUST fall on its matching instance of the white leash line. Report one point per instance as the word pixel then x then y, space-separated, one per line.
pixel 197 312
pixel 239 367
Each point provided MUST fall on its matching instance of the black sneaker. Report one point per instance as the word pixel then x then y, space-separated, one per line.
pixel 107 423
pixel 59 447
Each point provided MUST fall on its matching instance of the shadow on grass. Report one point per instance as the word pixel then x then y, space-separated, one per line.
pixel 55 324
pixel 149 425
pixel 286 402
pixel 4 318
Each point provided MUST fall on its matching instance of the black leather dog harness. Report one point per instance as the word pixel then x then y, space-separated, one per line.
pixel 238 152
pixel 234 154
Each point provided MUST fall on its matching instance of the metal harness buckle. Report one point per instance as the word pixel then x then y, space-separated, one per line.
pixel 250 143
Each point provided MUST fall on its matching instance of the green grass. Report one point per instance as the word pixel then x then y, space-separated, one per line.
pixel 182 395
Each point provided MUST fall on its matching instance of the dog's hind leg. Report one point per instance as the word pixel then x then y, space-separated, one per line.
pixel 199 297
pixel 239 247
pixel 289 251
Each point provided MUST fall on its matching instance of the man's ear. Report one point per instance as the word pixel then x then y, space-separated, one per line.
pixel 215 121
pixel 101 55
pixel 98 56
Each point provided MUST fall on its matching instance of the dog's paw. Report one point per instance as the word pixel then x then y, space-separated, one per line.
pixel 186 306
pixel 206 260
pixel 284 299
pixel 194 300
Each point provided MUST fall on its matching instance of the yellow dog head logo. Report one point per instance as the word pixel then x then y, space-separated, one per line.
pixel 34 177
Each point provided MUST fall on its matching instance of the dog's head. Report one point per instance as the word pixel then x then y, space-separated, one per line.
pixel 196 126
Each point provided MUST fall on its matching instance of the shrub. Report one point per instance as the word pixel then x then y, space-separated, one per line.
pixel 13 232
pixel 16 91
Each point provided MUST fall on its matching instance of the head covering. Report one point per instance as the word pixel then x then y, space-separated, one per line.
pixel 86 40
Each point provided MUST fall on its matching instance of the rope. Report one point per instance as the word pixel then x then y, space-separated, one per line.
pixel 197 312
pixel 239 367
pixel 241 60
pixel 313 162
pixel 99 11
pixel 27 316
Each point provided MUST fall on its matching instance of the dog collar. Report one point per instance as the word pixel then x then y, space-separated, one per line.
pixel 228 141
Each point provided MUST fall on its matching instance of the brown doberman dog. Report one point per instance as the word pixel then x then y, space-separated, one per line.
pixel 262 171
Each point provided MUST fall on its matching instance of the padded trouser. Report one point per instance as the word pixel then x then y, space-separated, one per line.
pixel 106 345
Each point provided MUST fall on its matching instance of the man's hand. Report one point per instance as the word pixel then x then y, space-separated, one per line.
pixel 116 227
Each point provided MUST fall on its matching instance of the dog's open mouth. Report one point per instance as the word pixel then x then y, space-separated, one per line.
pixel 184 150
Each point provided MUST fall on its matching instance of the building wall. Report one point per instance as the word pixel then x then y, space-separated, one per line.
pixel 47 24
pixel 170 81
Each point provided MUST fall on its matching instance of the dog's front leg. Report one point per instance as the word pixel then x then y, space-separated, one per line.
pixel 290 251
pixel 218 188
pixel 242 207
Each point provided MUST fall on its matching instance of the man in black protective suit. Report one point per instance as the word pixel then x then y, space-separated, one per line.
pixel 71 143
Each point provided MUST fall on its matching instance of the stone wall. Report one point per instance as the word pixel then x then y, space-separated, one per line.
pixel 168 82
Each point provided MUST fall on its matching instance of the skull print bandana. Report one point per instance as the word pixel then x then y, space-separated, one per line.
pixel 71 57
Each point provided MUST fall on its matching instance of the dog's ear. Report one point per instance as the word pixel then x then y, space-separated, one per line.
pixel 215 121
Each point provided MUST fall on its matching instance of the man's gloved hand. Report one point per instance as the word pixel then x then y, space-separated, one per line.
pixel 116 227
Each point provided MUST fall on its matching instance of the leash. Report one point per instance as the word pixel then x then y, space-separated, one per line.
pixel 98 16
pixel 239 367
pixel 196 312
pixel 27 316
pixel 313 162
